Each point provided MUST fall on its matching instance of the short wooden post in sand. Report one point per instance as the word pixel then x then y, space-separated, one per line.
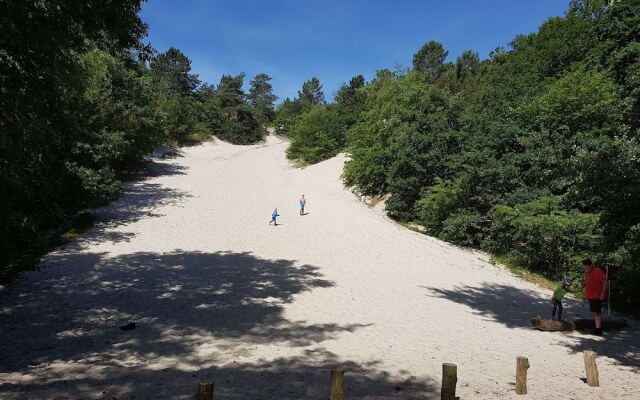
pixel 521 375
pixel 591 368
pixel 337 384
pixel 205 392
pixel 449 381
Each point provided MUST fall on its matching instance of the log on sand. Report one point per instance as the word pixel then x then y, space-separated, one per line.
pixel 542 324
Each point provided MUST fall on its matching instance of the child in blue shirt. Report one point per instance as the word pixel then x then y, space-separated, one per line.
pixel 274 215
pixel 303 202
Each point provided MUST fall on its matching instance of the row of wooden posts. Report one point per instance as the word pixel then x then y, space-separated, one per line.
pixel 522 364
pixel 449 379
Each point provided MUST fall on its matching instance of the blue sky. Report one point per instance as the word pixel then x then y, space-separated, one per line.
pixel 333 40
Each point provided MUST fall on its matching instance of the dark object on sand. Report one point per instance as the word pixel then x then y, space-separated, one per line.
pixel 542 324
pixel 129 326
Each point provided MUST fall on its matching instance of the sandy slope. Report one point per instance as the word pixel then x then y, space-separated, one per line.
pixel 265 312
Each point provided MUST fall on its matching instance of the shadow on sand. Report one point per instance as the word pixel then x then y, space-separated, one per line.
pixel 515 307
pixel 140 198
pixel 191 308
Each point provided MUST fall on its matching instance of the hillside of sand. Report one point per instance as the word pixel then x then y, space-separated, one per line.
pixel 220 295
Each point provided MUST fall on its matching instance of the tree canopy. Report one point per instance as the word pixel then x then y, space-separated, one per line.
pixel 83 100
pixel 174 68
pixel 429 60
pixel 68 109
pixel 311 93
pixel 262 99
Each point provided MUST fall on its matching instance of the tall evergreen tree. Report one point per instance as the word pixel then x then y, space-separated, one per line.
pixel 311 93
pixel 262 99
pixel 177 99
pixel 350 95
pixel 429 60
pixel 350 102
pixel 467 64
pixel 175 68
pixel 237 121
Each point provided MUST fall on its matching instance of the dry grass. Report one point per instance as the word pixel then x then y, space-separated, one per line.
pixel 299 164
pixel 532 277
pixel 374 200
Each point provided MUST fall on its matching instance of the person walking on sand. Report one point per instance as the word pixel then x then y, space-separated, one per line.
pixel 303 202
pixel 274 215
pixel 595 289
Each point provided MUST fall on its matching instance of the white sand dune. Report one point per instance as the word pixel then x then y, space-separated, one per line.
pixel 265 312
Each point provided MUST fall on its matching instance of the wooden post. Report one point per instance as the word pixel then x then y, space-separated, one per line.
pixel 337 384
pixel 591 368
pixel 521 375
pixel 205 392
pixel 449 381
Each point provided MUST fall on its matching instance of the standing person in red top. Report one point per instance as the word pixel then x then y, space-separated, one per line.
pixel 595 288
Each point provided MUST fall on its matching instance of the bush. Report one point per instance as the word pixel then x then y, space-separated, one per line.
pixel 438 203
pixel 543 237
pixel 316 136
pixel 464 227
pixel 627 258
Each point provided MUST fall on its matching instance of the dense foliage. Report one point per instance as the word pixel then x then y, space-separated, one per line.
pixel 318 130
pixel 532 154
pixel 83 100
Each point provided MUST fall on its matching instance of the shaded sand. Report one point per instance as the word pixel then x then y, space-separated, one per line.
pixel 265 312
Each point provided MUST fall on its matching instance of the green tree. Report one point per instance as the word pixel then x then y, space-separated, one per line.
pixel 439 202
pixel 210 112
pixel 422 134
pixel 287 114
pixel 43 107
pixel 311 93
pixel 429 60
pixel 467 64
pixel 368 141
pixel 262 99
pixel 237 121
pixel 122 102
pixel 183 117
pixel 544 237
pixel 316 136
pixel 350 100
pixel 174 68
pixel 619 51
pixel 576 102
pixel 290 111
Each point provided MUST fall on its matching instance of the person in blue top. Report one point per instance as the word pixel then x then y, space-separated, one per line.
pixel 557 297
pixel 303 202
pixel 274 215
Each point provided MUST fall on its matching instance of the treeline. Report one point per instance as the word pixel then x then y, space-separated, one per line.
pixel 532 154
pixel 83 101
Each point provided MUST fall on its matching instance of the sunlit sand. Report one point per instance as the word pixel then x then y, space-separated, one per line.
pixel 220 295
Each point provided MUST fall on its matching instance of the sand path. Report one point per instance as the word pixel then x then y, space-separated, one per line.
pixel 265 312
